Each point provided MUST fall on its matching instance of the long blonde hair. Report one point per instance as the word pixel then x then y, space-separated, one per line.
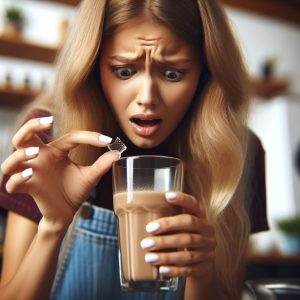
pixel 212 137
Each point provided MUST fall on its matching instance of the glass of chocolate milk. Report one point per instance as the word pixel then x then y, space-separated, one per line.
pixel 139 186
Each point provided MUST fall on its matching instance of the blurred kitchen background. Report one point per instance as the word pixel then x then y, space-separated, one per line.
pixel 31 33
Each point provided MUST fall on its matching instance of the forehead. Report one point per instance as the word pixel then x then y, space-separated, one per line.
pixel 142 34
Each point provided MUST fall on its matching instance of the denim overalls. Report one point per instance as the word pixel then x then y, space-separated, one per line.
pixel 89 268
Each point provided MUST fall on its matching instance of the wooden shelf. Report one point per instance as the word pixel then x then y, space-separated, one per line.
pixel 22 48
pixel 268 88
pixel 10 96
pixel 287 10
pixel 69 2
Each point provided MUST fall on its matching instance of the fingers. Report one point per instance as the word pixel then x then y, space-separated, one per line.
pixel 178 258
pixel 192 221
pixel 180 223
pixel 181 263
pixel 196 270
pixel 179 240
pixel 74 138
pixel 27 134
pixel 188 202
pixel 18 159
pixel 16 183
pixel 101 166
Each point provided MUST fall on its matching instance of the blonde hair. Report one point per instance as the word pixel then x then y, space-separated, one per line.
pixel 212 137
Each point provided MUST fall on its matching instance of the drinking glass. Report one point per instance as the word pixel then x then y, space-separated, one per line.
pixel 139 187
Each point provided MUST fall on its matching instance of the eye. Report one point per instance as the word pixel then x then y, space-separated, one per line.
pixel 123 72
pixel 173 75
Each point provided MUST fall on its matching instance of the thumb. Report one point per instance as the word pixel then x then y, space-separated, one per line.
pixel 101 166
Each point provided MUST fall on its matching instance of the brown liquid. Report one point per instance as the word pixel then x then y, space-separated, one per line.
pixel 134 212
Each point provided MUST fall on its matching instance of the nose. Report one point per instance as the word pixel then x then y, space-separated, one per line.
pixel 148 93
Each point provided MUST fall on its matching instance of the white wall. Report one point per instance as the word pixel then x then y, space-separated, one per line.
pixel 262 37
pixel 294 134
pixel 276 121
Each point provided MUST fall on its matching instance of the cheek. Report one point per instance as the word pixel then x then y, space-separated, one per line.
pixel 179 98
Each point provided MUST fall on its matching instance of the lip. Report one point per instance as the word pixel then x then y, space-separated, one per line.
pixel 145 131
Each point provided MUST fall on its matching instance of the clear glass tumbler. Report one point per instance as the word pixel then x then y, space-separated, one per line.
pixel 139 187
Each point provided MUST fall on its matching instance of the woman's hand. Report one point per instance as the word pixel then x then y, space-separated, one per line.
pixel 190 232
pixel 46 172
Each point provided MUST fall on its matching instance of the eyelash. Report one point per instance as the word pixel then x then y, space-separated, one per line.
pixel 116 69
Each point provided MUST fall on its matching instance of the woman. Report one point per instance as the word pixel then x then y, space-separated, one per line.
pixel 166 76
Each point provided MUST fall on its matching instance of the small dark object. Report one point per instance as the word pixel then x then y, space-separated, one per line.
pixel 86 210
pixel 298 160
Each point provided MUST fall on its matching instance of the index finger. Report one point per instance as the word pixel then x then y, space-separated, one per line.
pixel 186 201
pixel 77 137
pixel 28 133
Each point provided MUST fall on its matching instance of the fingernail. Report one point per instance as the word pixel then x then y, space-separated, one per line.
pixel 171 196
pixel 32 151
pixel 153 226
pixel 164 270
pixel 46 120
pixel 27 172
pixel 146 243
pixel 105 139
pixel 151 257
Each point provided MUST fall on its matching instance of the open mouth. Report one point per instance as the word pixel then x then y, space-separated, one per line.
pixel 145 125
pixel 145 122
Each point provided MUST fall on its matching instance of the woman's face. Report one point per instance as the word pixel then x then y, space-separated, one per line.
pixel 149 77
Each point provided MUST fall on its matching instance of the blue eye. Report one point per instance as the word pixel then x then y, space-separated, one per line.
pixel 123 72
pixel 173 75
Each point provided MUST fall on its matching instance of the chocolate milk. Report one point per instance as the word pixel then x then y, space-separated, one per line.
pixel 135 210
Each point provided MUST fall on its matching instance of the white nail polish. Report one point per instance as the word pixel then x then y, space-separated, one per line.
pixel 164 270
pixel 27 172
pixel 105 139
pixel 46 120
pixel 146 243
pixel 32 151
pixel 151 257
pixel 171 196
pixel 153 226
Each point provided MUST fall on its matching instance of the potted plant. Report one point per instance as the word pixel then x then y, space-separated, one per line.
pixel 290 230
pixel 14 21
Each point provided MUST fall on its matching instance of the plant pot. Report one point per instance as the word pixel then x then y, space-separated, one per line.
pixel 12 29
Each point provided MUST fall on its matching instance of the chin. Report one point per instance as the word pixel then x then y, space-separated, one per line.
pixel 146 143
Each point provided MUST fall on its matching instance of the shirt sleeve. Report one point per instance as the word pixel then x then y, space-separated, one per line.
pixel 255 199
pixel 24 204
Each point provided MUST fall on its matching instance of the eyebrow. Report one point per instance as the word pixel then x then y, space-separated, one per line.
pixel 133 59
